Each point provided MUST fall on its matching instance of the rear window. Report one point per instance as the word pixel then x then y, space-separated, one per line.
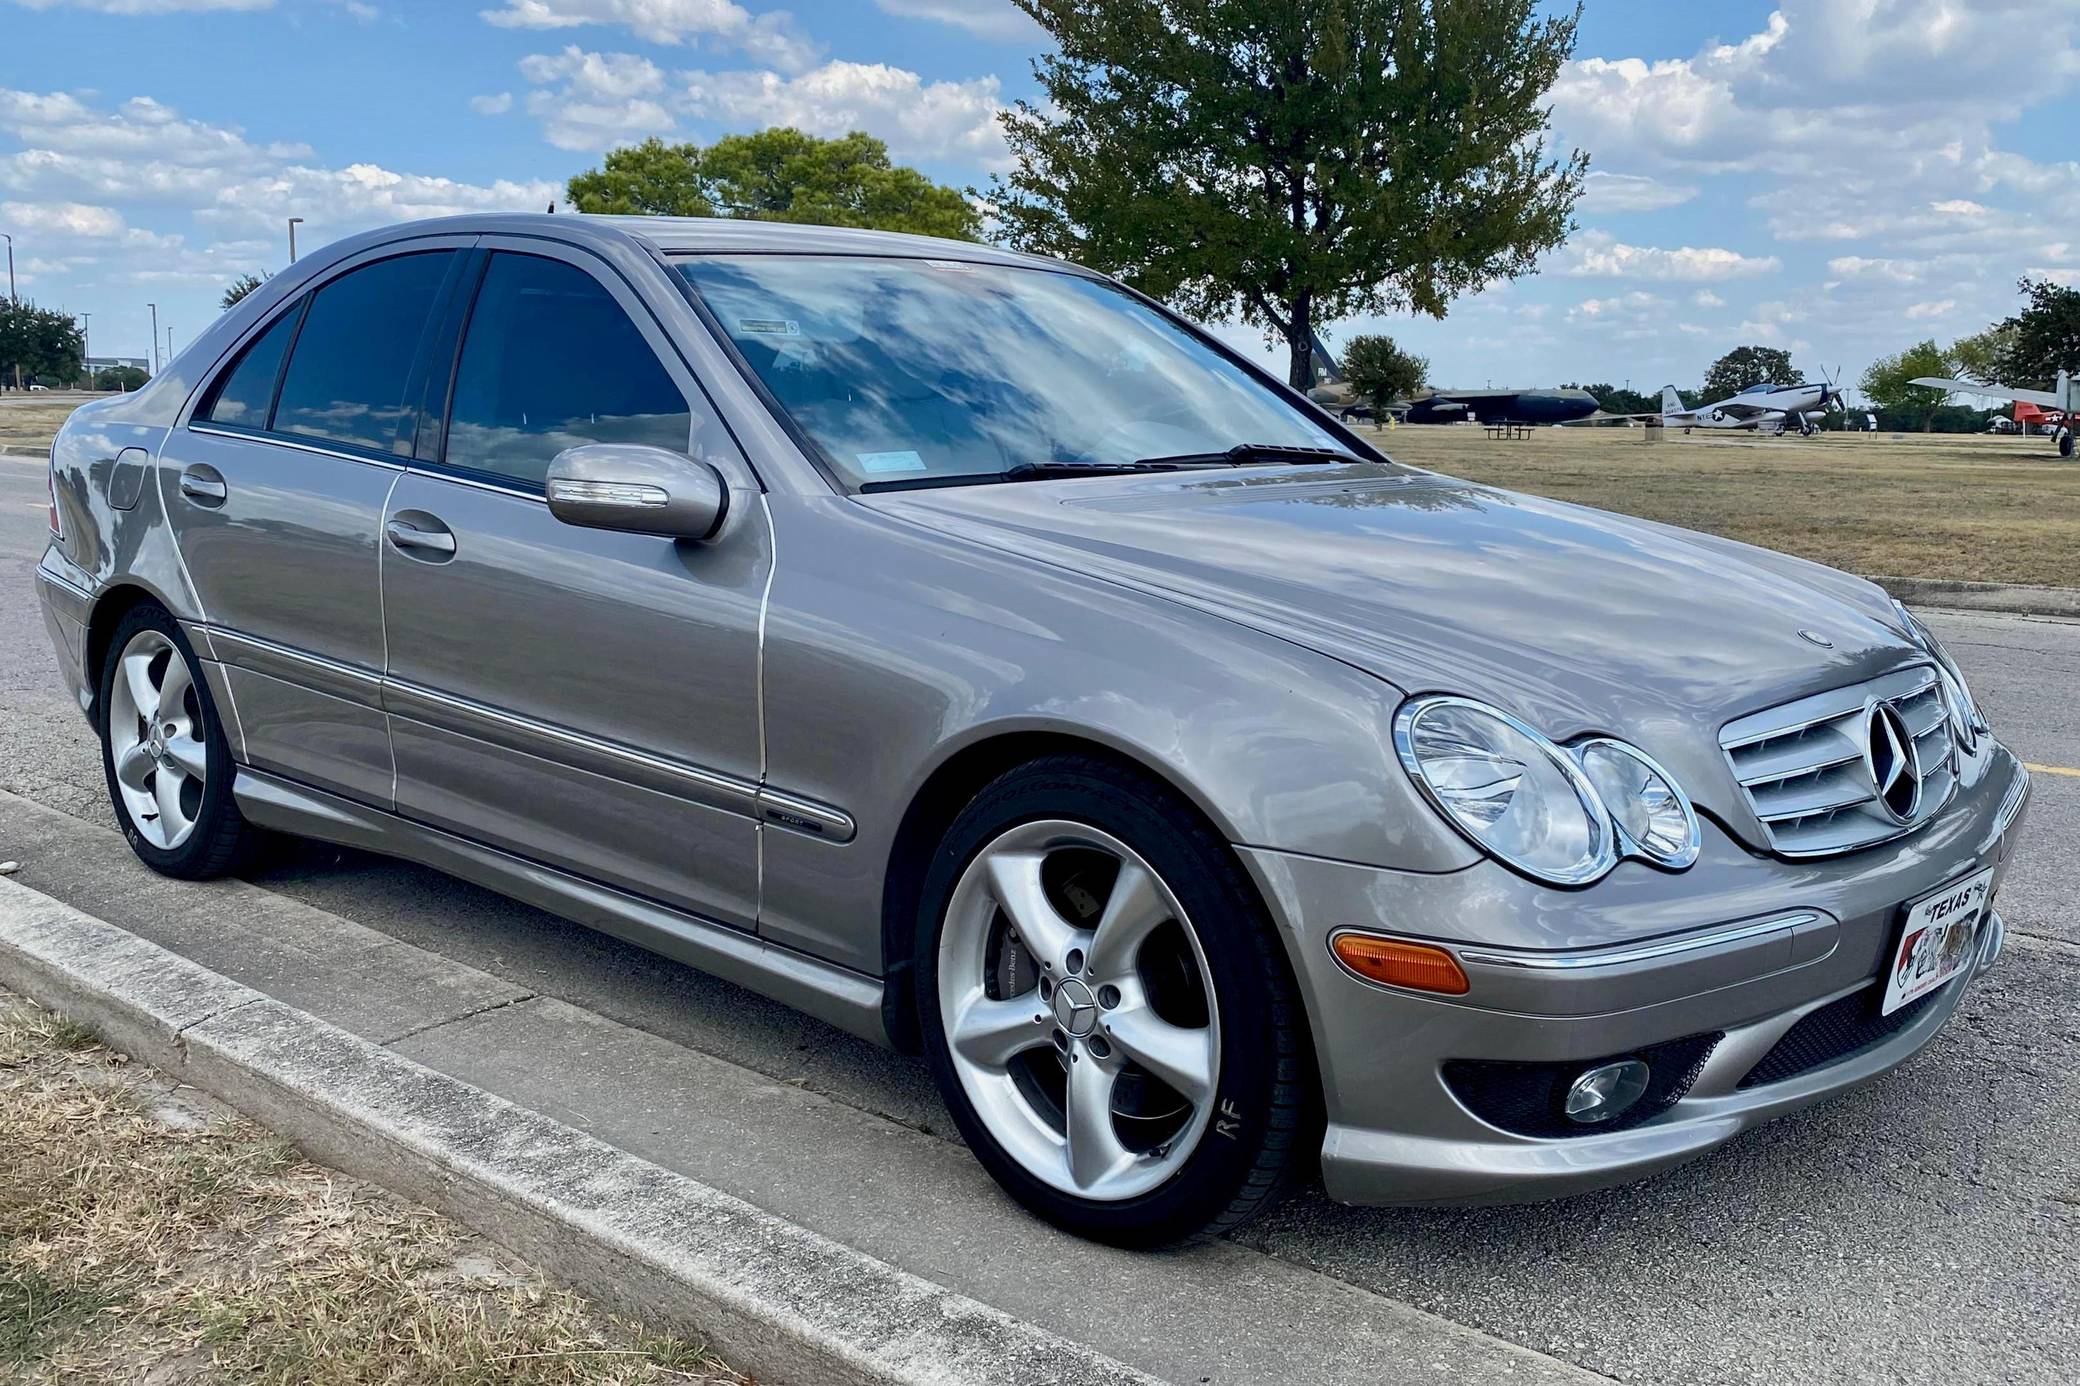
pixel 247 390
pixel 346 378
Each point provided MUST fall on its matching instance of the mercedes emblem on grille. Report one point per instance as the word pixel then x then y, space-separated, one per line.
pixel 1893 761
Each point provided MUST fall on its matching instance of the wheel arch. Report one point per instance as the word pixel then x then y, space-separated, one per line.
pixel 111 604
pixel 949 787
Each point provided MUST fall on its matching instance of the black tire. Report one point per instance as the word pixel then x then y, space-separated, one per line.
pixel 2065 444
pixel 221 837
pixel 1266 1094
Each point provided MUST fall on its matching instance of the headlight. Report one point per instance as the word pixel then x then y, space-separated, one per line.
pixel 1559 814
pixel 1654 818
pixel 1518 796
pixel 1966 721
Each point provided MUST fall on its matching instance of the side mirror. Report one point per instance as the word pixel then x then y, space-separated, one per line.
pixel 638 490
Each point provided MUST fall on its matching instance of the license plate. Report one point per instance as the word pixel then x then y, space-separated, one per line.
pixel 1935 942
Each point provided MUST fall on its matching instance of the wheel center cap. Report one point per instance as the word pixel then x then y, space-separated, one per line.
pixel 157 744
pixel 1075 1009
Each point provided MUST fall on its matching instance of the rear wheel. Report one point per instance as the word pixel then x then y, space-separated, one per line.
pixel 164 754
pixel 1105 1008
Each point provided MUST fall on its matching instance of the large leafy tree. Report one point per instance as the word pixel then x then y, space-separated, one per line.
pixel 2043 339
pixel 1294 161
pixel 38 343
pixel 1887 384
pixel 1382 371
pixel 777 175
pixel 1748 366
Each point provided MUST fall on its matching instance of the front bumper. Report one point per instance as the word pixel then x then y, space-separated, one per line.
pixel 1742 946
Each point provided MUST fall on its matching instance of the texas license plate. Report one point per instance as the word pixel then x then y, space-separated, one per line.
pixel 1935 942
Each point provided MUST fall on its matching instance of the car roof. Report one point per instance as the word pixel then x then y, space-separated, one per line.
pixel 683 235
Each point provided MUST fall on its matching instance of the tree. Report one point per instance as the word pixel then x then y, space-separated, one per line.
pixel 1293 161
pixel 1745 367
pixel 1382 372
pixel 1978 357
pixel 777 175
pixel 124 378
pixel 1886 385
pixel 242 286
pixel 1618 399
pixel 38 343
pixel 2043 339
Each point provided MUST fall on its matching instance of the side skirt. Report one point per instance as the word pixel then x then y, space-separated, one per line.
pixel 846 999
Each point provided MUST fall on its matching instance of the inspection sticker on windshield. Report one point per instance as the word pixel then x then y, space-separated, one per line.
pixel 770 327
pixel 878 463
pixel 1935 944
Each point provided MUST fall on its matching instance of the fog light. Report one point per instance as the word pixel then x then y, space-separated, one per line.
pixel 1606 1091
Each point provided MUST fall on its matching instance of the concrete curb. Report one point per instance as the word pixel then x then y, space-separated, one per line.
pixel 2011 598
pixel 776 1300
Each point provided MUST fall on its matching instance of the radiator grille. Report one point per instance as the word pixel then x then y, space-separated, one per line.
pixel 1807 768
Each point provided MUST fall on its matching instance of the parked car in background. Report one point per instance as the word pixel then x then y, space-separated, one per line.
pixel 968 651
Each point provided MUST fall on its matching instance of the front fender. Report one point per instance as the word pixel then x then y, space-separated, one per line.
pixel 893 651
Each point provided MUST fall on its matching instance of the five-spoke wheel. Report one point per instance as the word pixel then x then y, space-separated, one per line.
pixel 1080 1009
pixel 1106 1008
pixel 168 768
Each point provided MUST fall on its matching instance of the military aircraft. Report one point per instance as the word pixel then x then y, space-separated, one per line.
pixel 2059 406
pixel 1335 393
pixel 1782 407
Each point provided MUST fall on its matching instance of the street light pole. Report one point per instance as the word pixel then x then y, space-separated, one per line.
pixel 155 336
pixel 86 346
pixel 294 222
pixel 11 296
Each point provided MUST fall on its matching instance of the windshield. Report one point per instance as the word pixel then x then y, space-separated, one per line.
pixel 921 371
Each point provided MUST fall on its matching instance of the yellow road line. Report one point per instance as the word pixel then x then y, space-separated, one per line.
pixel 2066 770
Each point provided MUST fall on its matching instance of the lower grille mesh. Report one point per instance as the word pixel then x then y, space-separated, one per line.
pixel 1835 1032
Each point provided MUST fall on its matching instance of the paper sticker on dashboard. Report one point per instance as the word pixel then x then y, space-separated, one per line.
pixel 882 462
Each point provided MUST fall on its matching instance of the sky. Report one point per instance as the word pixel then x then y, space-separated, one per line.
pixel 1839 177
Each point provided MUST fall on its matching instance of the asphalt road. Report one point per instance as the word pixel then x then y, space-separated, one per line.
pixel 1927 1228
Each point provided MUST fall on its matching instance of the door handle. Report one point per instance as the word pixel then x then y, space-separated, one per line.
pixel 203 486
pixel 412 539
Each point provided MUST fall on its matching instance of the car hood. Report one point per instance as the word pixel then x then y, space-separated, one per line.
pixel 1577 620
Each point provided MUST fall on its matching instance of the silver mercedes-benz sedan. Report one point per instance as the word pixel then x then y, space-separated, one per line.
pixel 970 652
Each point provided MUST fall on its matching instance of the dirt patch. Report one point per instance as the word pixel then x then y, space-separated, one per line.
pixel 148 1234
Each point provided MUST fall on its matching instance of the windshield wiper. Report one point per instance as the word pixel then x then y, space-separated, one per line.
pixel 1041 471
pixel 1242 454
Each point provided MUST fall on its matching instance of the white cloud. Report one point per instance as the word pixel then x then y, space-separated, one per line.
pixel 61 218
pixel 769 38
pixel 1630 192
pixel 1598 254
pixel 1705 298
pixel 987 19
pixel 497 103
pixel 918 119
pixel 1938 309
pixel 600 99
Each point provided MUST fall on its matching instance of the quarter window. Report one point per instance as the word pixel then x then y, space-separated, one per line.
pixel 551 361
pixel 246 391
pixel 347 376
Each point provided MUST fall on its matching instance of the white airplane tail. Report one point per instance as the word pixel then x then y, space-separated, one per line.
pixel 1671 402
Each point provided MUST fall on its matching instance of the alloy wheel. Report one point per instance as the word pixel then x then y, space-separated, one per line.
pixel 157 741
pixel 1079 1011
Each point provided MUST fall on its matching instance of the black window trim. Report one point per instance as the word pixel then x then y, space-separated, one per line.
pixel 468 295
pixel 301 306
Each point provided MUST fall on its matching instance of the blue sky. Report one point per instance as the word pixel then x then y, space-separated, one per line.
pixel 1842 177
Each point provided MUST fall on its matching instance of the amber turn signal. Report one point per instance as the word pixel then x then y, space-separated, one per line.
pixel 1417 966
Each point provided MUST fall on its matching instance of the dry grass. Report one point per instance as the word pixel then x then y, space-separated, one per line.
pixel 144 1239
pixel 26 427
pixel 1983 509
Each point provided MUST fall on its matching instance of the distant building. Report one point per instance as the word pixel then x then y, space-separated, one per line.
pixel 109 363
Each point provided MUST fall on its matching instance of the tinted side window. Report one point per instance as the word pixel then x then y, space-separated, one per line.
pixel 346 378
pixel 246 390
pixel 551 361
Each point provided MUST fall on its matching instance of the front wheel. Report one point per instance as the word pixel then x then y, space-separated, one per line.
pixel 1106 1010
pixel 163 750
